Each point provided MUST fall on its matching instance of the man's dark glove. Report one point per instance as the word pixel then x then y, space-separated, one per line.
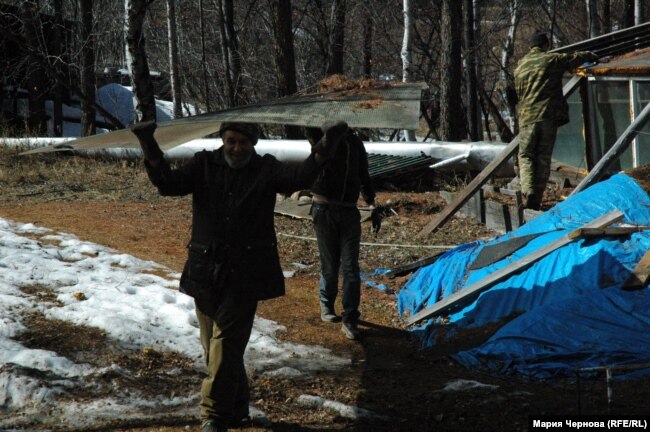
pixel 333 132
pixel 375 218
pixel 150 149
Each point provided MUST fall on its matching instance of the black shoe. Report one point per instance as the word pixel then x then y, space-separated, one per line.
pixel 241 422
pixel 350 330
pixel 215 425
pixel 533 201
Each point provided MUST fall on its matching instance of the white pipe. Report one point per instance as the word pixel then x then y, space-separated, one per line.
pixel 446 155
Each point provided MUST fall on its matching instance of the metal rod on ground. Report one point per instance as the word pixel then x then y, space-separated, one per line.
pixel 616 151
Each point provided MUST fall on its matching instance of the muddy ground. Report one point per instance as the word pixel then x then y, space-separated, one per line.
pixel 113 204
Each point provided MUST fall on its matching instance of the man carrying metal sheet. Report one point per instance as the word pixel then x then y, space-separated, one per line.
pixel 542 109
pixel 233 259
pixel 337 223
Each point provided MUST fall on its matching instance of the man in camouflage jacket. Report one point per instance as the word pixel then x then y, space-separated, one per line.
pixel 542 109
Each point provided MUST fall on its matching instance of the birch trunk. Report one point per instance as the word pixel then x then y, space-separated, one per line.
pixel 174 75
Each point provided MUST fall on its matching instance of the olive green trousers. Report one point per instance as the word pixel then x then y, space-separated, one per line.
pixel 536 143
pixel 225 330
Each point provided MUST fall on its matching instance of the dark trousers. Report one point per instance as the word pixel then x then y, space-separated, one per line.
pixel 338 231
pixel 225 330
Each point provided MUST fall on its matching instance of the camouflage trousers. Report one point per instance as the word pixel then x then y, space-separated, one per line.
pixel 224 331
pixel 536 143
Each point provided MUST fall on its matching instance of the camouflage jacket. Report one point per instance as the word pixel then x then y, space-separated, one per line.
pixel 538 81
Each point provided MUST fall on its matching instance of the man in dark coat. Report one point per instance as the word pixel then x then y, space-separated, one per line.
pixel 337 223
pixel 232 256
pixel 542 110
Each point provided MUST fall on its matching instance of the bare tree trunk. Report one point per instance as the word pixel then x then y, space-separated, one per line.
pixel 231 56
pixel 406 53
pixel 552 13
pixel 337 38
pixel 628 13
pixel 592 15
pixel 451 113
pixel 174 75
pixel 36 121
pixel 137 60
pixel 607 16
pixel 284 56
pixel 507 81
pixel 233 49
pixel 638 12
pixel 478 69
pixel 473 119
pixel 88 120
pixel 58 89
pixel 367 46
pixel 206 87
pixel 406 41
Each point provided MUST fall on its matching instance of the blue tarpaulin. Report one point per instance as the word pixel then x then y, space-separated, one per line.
pixel 572 312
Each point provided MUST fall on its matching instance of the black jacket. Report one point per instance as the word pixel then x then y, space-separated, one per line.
pixel 233 241
pixel 346 174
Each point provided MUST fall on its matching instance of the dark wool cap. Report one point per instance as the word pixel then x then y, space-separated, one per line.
pixel 251 130
pixel 538 39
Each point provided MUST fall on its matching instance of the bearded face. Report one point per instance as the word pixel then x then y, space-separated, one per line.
pixel 237 149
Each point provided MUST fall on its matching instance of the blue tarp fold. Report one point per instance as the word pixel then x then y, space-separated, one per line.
pixel 574 313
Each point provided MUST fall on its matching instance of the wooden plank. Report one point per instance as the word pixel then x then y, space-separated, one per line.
pixel 615 151
pixel 478 181
pixel 469 293
pixel 609 231
pixel 640 275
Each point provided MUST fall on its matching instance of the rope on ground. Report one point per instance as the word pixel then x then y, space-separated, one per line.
pixel 376 244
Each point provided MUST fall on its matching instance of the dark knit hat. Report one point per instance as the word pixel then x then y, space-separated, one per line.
pixel 538 39
pixel 251 130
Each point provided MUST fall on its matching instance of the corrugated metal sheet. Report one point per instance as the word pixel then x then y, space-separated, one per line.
pixel 382 166
pixel 394 106
pixel 614 43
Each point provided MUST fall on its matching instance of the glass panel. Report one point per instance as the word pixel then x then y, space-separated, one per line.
pixel 570 142
pixel 643 138
pixel 612 113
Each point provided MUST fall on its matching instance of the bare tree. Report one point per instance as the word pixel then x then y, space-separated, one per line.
pixel 174 73
pixel 451 113
pixel 507 80
pixel 137 59
pixel 36 120
pixel 284 55
pixel 473 119
pixel 367 45
pixel 594 21
pixel 638 12
pixel 88 121
pixel 337 38
pixel 230 51
pixel 409 135
pixel 58 89
pixel 406 42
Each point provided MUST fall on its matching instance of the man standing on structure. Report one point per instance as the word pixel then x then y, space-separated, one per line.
pixel 542 109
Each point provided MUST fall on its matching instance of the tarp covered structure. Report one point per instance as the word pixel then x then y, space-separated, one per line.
pixel 572 310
